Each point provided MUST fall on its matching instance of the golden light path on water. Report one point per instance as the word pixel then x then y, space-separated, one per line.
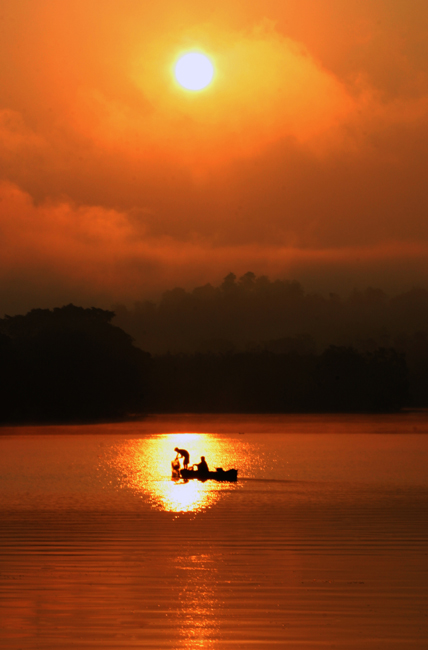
pixel 145 465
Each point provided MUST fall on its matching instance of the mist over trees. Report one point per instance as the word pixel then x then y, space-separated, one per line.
pixel 255 313
pixel 249 345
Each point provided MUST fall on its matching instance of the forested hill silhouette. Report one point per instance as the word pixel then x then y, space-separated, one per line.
pixel 254 314
pixel 338 380
pixel 279 316
pixel 69 364
pixel 249 345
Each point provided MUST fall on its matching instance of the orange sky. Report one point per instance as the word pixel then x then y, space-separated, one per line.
pixel 306 158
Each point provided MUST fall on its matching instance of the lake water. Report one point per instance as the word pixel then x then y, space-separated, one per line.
pixel 322 542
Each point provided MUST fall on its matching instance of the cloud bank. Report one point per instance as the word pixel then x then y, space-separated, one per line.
pixel 305 158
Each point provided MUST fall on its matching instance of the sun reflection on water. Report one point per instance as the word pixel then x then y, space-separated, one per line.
pixel 145 465
pixel 199 624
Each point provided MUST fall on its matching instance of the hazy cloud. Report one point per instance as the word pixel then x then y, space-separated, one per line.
pixel 306 157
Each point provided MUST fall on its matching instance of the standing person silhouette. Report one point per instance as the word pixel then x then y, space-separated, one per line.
pixel 184 455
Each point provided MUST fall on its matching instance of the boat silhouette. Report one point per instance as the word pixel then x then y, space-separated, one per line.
pixel 230 475
pixel 220 474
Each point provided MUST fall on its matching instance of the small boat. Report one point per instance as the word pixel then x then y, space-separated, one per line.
pixel 220 474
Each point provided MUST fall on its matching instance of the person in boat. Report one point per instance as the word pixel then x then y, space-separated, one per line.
pixel 202 466
pixel 184 454
pixel 175 467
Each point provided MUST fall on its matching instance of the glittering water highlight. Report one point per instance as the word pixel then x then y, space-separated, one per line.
pixel 321 543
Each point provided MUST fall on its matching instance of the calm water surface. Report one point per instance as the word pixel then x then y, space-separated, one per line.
pixel 322 542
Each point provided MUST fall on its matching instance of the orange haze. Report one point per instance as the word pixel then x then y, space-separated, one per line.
pixel 305 158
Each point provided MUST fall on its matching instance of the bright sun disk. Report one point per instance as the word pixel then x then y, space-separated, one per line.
pixel 194 71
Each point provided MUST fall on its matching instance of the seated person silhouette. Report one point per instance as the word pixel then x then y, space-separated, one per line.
pixel 185 456
pixel 202 466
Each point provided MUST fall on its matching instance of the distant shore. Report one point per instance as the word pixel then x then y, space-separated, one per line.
pixel 405 421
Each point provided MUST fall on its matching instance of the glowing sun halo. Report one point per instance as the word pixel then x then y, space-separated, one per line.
pixel 194 71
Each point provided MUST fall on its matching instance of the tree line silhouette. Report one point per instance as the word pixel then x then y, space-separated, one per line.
pixel 72 364
pixel 69 364
pixel 279 316
pixel 338 380
pixel 253 314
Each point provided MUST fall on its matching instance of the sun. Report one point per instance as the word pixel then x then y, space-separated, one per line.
pixel 194 71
